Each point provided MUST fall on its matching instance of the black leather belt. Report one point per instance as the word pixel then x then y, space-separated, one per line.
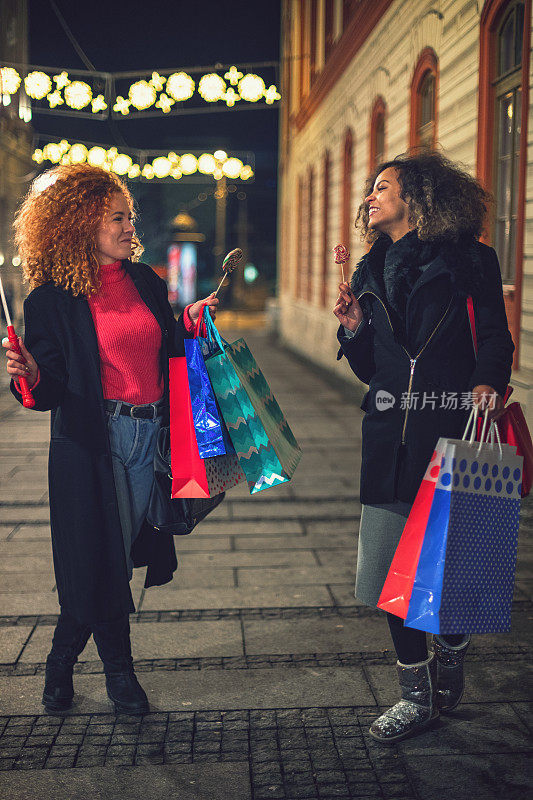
pixel 148 411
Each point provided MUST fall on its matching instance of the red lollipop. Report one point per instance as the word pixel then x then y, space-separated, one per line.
pixel 342 255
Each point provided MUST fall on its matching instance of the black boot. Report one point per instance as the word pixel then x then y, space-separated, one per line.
pixel 70 637
pixel 416 710
pixel 114 648
pixel 450 675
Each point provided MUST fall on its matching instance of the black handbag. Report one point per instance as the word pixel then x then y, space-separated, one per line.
pixel 180 516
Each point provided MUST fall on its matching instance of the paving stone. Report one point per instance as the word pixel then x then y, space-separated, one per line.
pixel 13 604
pixel 294 577
pixel 488 776
pixel 294 542
pixel 331 635
pixel 24 564
pixel 254 527
pixel 201 578
pixel 279 558
pixel 161 598
pixel 23 547
pixel 273 510
pixel 32 532
pixel 188 782
pixel 12 641
pixel 207 689
pixel 22 583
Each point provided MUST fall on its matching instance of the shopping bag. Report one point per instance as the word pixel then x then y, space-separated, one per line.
pixel 512 423
pixel 208 425
pixel 398 585
pixel 193 476
pixel 465 575
pixel 265 445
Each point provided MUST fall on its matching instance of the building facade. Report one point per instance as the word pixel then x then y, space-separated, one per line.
pixel 364 81
pixel 16 146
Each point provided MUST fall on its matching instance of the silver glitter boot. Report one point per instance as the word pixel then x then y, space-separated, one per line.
pixel 450 676
pixel 416 710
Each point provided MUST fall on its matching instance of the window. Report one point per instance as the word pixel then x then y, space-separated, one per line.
pixel 508 106
pixel 347 168
pixel 424 101
pixel 325 224
pixel 377 133
pixel 310 236
pixel 502 139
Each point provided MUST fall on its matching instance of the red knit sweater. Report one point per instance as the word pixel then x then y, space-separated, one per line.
pixel 129 339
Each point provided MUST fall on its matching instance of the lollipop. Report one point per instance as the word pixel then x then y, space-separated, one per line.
pixel 342 255
pixel 229 264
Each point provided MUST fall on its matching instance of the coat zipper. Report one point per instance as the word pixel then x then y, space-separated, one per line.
pixel 411 359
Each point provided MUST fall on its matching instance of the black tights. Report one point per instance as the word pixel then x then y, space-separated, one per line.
pixel 410 644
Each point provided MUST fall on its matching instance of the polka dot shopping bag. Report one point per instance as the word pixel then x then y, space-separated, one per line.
pixel 465 575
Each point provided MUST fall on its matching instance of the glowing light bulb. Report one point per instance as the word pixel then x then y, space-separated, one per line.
pixel 180 86
pixel 232 168
pixel 220 155
pixel 251 87
pixel 142 95
pixel 97 156
pixel 161 167
pixel 122 164
pixel 211 87
pixel 206 164
pixel 9 80
pixel 78 153
pixel 78 94
pixel 188 164
pixel 37 85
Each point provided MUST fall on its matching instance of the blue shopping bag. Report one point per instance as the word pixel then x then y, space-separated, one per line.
pixel 211 436
pixel 465 576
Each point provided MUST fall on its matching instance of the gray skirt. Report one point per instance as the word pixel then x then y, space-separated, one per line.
pixel 379 533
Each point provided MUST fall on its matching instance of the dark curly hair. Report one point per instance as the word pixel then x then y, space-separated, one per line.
pixel 56 224
pixel 444 201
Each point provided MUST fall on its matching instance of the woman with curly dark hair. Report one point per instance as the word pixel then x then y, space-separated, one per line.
pixel 404 328
pixel 98 335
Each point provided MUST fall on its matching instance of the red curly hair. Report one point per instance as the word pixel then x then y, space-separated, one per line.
pixel 56 225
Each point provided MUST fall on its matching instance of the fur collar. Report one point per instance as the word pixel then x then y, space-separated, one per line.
pixel 460 260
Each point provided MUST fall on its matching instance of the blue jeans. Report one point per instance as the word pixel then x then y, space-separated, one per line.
pixel 133 443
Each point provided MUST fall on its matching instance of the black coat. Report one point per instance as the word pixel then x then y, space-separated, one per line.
pixel 88 550
pixel 434 343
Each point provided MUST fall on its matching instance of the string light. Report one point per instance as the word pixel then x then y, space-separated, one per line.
pixel 217 164
pixel 143 94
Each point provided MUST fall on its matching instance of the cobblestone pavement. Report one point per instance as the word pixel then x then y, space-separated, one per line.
pixel 262 670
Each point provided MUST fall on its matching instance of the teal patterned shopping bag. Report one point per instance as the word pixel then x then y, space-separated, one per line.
pixel 265 445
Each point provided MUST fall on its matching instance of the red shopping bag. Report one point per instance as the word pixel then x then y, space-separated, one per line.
pixel 398 585
pixel 193 476
pixel 512 424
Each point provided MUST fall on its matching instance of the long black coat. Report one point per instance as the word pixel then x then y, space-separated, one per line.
pixel 432 352
pixel 88 550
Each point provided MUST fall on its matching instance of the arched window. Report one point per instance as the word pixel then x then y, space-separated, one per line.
pixel 326 169
pixel 377 132
pixel 424 87
pixel 502 137
pixel 347 168
pixel 508 91
pixel 300 239
pixel 310 235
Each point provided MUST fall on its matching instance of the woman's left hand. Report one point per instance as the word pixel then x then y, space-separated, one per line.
pixel 486 397
pixel 196 308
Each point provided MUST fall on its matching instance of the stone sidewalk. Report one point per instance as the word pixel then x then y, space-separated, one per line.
pixel 262 671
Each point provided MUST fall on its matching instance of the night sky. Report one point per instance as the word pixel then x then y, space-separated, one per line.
pixel 119 36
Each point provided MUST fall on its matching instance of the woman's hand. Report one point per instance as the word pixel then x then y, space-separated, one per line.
pixel 485 396
pixel 347 309
pixel 196 308
pixel 20 365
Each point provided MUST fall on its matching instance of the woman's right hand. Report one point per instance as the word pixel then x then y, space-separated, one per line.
pixel 20 365
pixel 347 309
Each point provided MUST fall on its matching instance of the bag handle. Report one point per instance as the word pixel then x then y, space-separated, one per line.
pixel 493 431
pixel 212 333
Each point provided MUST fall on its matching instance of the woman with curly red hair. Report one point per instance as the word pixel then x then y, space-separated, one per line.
pixel 98 334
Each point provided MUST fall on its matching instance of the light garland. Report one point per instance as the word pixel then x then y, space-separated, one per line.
pixel 156 91
pixel 218 164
